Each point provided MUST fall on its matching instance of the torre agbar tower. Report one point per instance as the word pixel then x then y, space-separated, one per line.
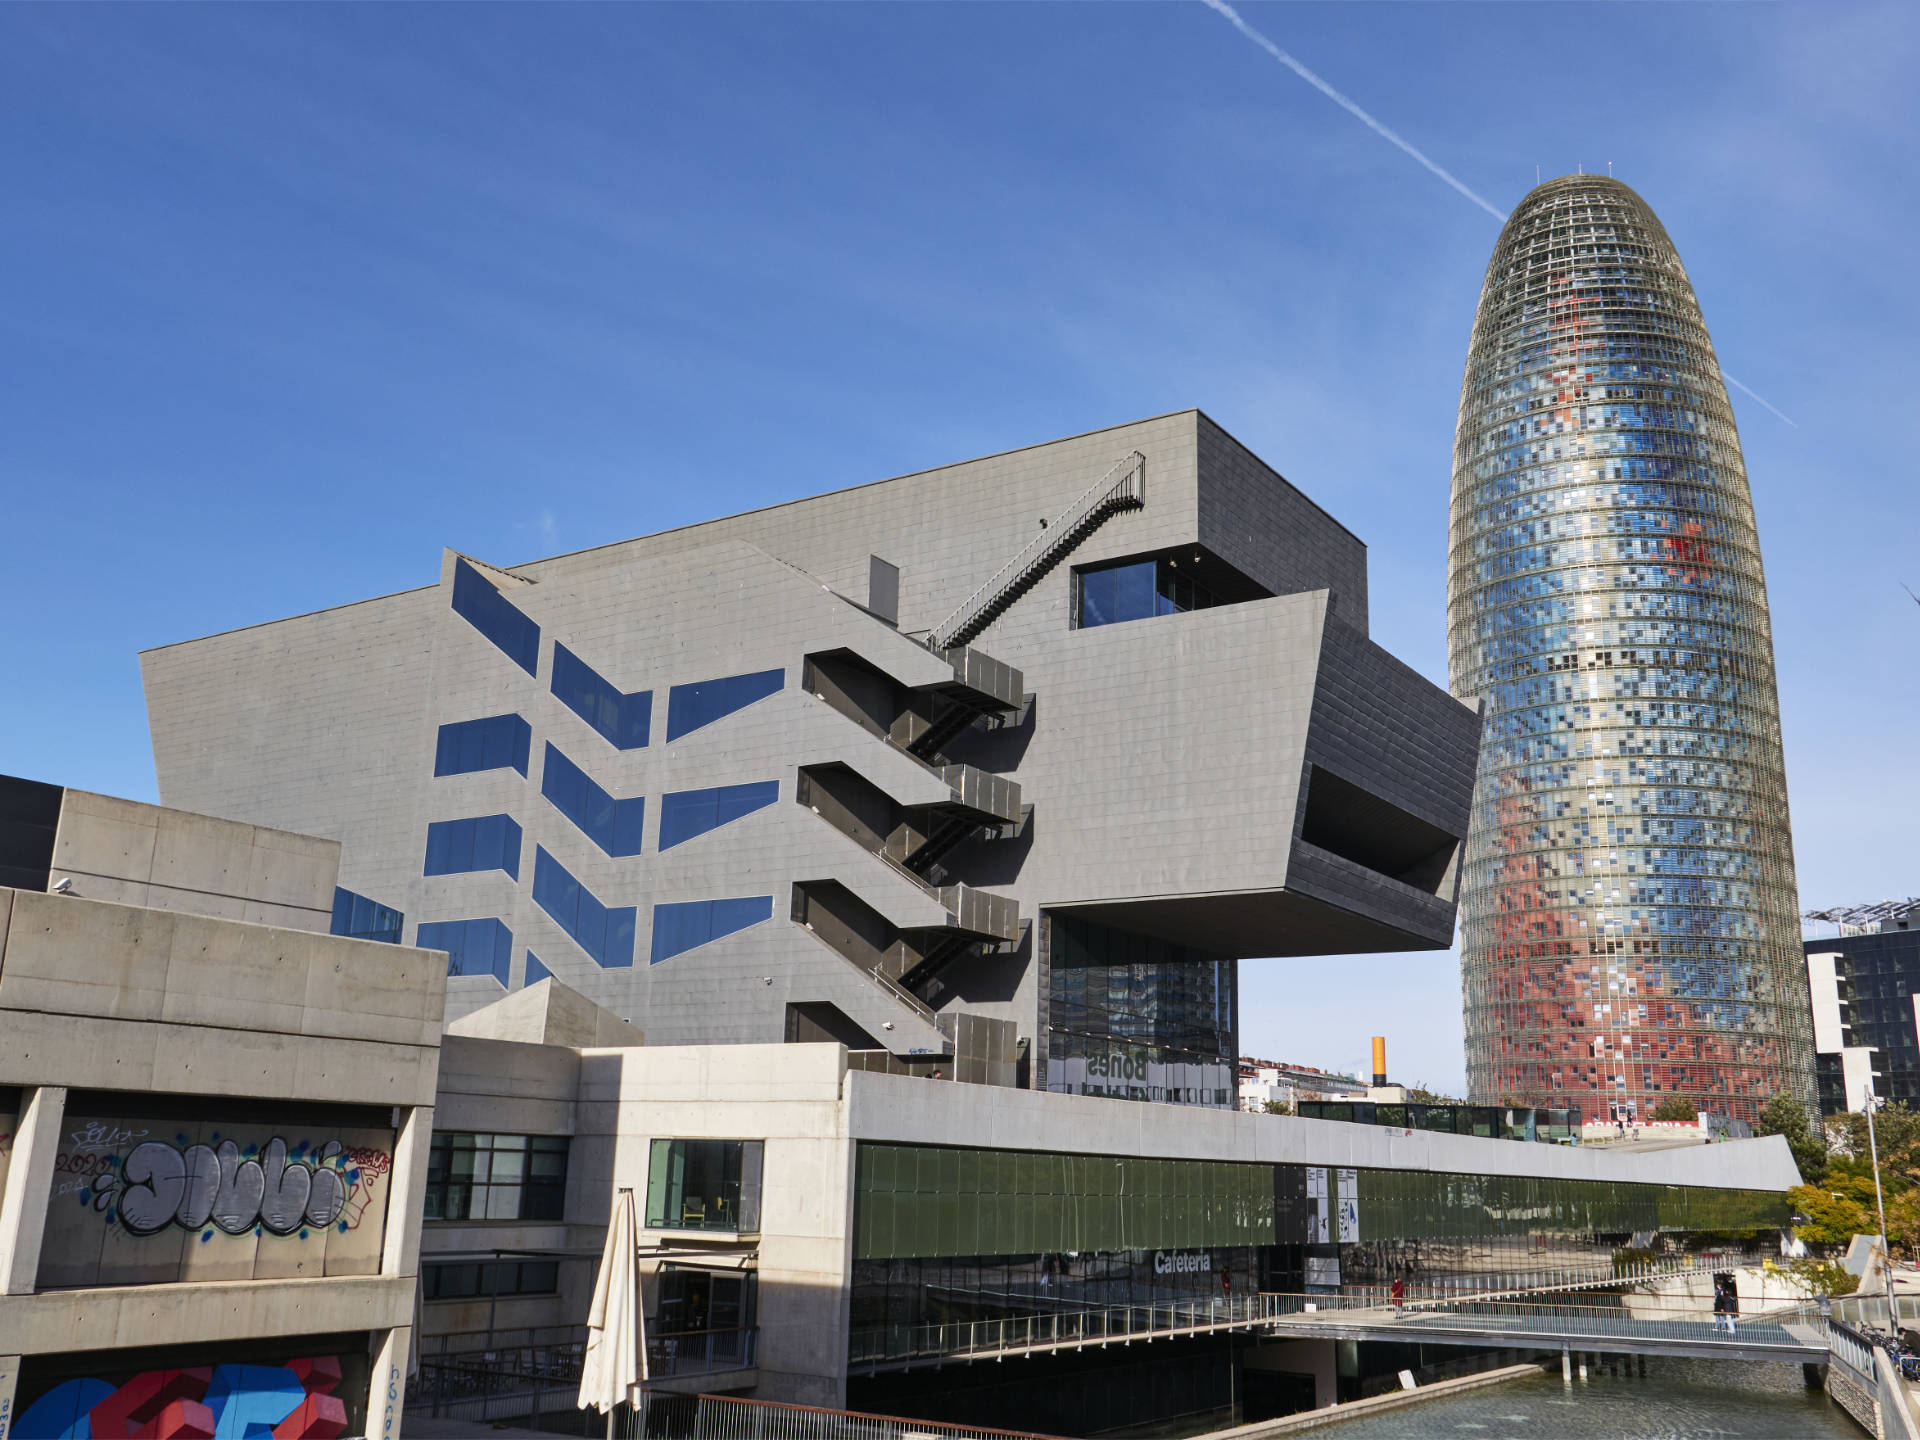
pixel 1628 910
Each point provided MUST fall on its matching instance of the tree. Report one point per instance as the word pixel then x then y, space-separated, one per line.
pixel 1675 1107
pixel 1277 1107
pixel 1823 1277
pixel 1422 1095
pixel 1834 1217
pixel 1784 1115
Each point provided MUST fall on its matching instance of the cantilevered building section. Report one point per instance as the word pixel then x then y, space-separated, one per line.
pixel 1628 907
pixel 992 772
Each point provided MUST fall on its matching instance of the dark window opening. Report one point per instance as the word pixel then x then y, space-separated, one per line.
pixel 811 1022
pixel 485 1279
pixel 1357 825
pixel 496 1177
pixel 29 816
pixel 1136 590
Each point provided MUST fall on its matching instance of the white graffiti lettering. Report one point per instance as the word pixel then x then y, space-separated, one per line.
pixel 162 1185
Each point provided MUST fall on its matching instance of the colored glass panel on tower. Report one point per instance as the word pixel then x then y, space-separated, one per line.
pixel 484 842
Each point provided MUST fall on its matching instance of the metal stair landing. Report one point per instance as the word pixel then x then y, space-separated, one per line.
pixel 1124 487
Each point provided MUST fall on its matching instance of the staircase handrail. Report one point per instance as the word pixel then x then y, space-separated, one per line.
pixel 1104 490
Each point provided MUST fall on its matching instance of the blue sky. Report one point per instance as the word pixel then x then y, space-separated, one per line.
pixel 296 296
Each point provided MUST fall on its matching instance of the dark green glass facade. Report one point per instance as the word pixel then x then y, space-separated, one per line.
pixel 914 1201
pixel 925 1200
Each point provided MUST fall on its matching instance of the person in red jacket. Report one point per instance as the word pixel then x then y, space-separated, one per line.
pixel 1399 1293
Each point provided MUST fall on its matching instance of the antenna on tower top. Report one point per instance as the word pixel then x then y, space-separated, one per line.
pixel 1609 169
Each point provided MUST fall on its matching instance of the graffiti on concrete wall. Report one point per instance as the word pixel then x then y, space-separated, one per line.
pixel 294 1401
pixel 128 1193
pixel 161 1185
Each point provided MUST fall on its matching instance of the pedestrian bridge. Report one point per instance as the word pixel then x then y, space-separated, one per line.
pixel 1791 1333
pixel 1515 1320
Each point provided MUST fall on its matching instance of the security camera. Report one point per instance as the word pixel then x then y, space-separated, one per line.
pixel 63 885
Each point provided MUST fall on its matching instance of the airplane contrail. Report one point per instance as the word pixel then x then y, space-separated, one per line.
pixel 1758 396
pixel 1233 18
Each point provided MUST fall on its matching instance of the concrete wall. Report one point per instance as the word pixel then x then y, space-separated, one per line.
pixel 135 1034
pixel 121 850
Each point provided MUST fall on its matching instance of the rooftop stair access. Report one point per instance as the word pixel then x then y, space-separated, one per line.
pixel 1124 487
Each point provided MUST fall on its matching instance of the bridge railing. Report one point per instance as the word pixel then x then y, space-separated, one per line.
pixel 894 1345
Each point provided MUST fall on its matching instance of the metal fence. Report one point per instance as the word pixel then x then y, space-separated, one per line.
pixel 512 1381
pixel 896 1345
pixel 1068 1324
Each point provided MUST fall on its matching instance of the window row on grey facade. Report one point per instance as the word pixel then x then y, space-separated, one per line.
pixel 623 720
pixel 492 842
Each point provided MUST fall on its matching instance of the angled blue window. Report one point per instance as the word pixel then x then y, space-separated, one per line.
pixel 494 743
pixel 687 813
pixel 623 721
pixel 496 617
pixel 359 918
pixel 613 825
pixel 682 927
pixel 536 971
pixel 691 706
pixel 604 932
pixel 474 947
pixel 484 842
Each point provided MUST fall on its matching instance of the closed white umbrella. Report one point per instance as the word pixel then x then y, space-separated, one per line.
pixel 616 1360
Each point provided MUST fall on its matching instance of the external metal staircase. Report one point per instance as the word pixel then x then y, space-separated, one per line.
pixel 1124 487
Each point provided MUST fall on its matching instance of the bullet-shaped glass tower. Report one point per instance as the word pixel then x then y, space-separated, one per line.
pixel 1628 915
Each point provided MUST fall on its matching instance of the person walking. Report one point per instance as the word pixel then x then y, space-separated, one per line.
pixel 1399 1295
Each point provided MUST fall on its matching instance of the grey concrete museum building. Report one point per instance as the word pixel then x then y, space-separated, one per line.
pixel 684 865
pixel 877 766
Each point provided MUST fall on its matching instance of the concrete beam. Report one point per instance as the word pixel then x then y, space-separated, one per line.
pixel 58 1322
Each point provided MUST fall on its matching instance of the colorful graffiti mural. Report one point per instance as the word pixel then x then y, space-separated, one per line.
pixel 294 1401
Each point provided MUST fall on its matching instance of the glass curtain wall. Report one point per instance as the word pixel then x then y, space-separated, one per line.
pixel 1138 1018
pixel 1628 926
pixel 945 1234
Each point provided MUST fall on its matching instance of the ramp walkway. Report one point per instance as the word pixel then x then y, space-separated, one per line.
pixel 1793 1333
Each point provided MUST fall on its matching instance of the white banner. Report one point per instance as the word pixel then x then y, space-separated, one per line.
pixel 1349 1210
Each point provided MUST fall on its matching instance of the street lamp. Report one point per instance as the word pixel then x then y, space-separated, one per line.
pixel 1880 1203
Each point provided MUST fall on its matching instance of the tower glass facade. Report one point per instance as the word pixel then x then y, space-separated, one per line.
pixel 1628 925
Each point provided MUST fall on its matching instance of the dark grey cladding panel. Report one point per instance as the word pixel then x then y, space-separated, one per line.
pixel 1418 920
pixel 1386 728
pixel 1344 909
pixel 1253 519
